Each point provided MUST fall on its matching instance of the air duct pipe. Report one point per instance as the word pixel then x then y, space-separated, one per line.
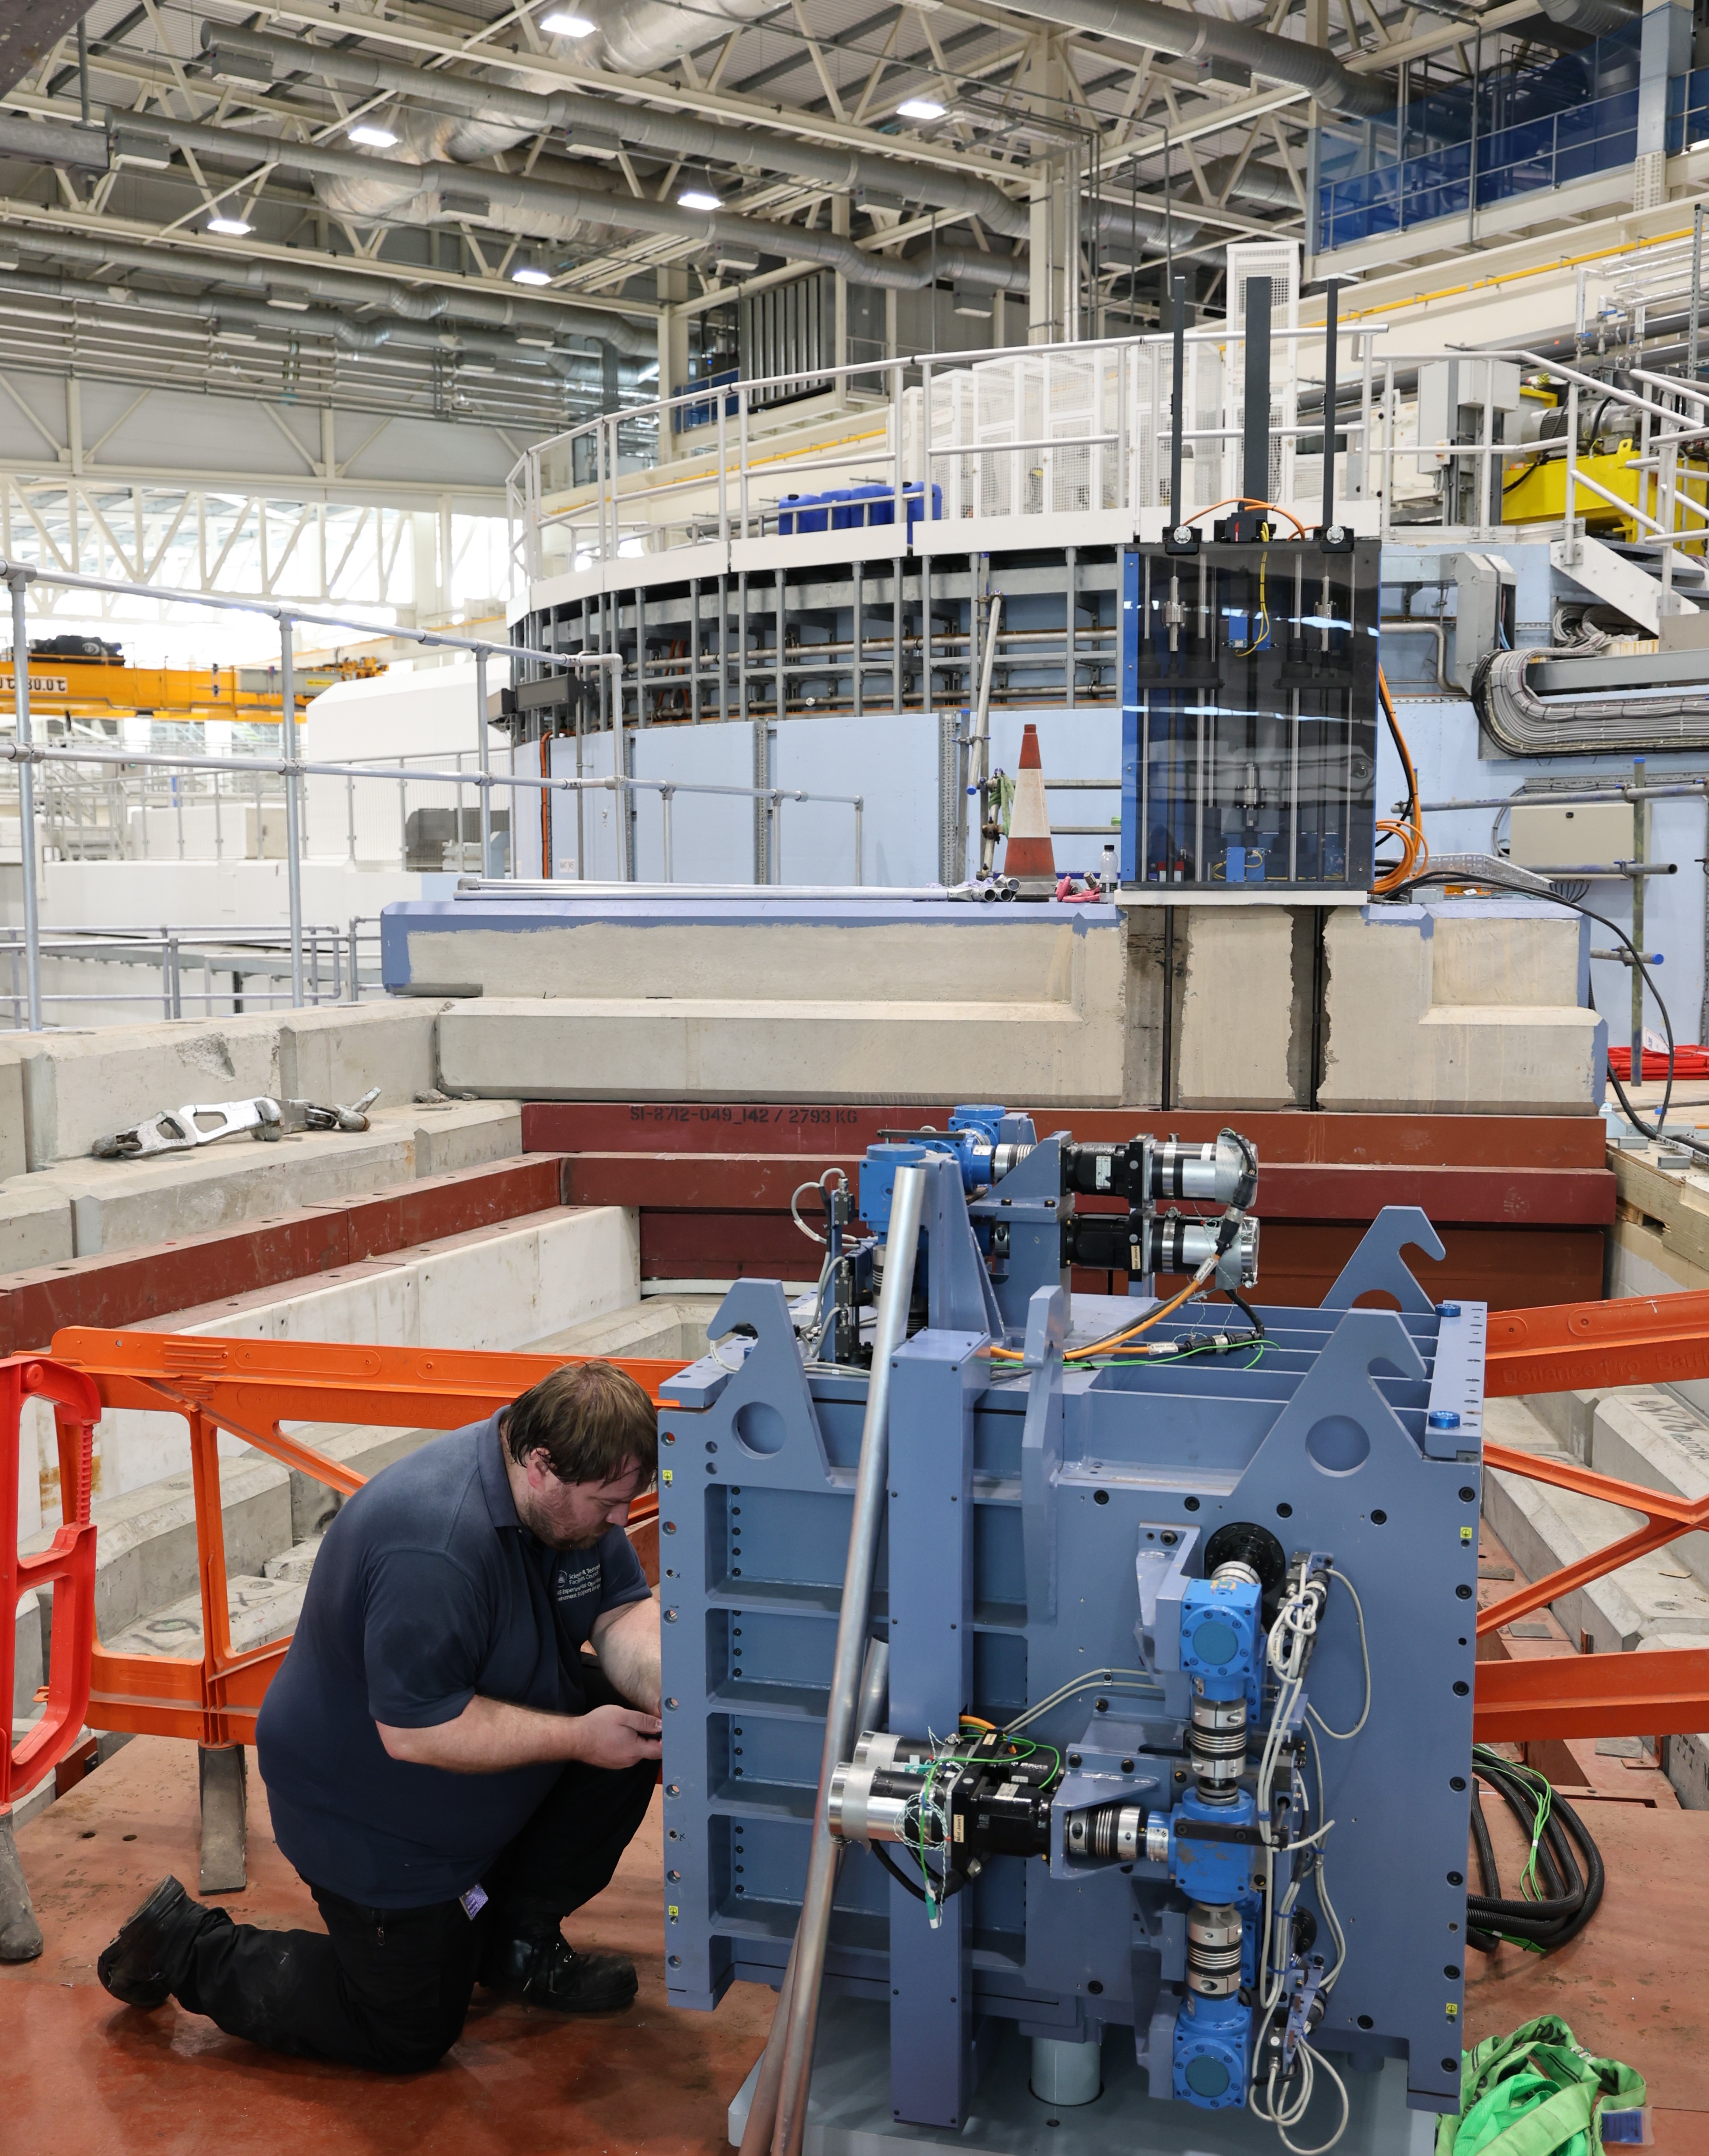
pixel 542 208
pixel 1591 19
pixel 602 124
pixel 1198 38
pixel 350 337
pixel 281 279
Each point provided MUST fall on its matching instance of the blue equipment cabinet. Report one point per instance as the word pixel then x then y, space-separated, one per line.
pixel 1249 715
pixel 1181 1637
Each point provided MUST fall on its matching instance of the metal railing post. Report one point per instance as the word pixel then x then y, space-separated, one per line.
pixel 20 581
pixel 355 983
pixel 485 749
pixel 859 848
pixel 293 807
pixel 664 799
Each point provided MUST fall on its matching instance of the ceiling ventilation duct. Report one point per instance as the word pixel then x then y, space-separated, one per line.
pixel 496 116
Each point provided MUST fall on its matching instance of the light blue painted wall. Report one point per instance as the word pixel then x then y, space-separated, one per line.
pixel 1442 737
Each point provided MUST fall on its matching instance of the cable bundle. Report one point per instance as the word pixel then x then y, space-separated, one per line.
pixel 1557 1898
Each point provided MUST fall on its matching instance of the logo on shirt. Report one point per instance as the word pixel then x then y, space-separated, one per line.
pixel 571 1586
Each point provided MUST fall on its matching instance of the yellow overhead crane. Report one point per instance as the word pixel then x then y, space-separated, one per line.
pixel 80 677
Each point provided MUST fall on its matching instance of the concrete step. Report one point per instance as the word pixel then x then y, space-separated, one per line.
pixel 81 1208
pixel 259 1610
pixel 1546 1527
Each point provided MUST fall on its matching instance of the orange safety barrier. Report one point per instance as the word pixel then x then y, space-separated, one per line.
pixel 251 1389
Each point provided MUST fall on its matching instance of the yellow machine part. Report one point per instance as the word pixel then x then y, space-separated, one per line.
pixel 1536 493
pixel 61 686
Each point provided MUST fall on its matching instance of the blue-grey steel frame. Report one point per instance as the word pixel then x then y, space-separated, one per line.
pixel 1039 1515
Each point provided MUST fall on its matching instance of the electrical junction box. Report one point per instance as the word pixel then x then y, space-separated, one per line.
pixel 1485 599
pixel 1544 835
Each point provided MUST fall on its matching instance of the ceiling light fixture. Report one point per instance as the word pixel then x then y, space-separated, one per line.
pixel 699 198
pixel 373 136
pixel 529 273
pixel 919 107
pixel 235 227
pixel 561 24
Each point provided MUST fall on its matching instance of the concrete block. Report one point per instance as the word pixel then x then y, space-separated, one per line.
pixel 464 1134
pixel 752 1010
pixel 1651 1438
pixel 333 1054
pixel 35 1223
pixel 1488 1023
pixel 123 1205
pixel 1237 1014
pixel 1566 1417
pixel 146 1546
pixel 588 1267
pixel 259 1611
pixel 484 1292
pixel 1684 1759
pixel 81 1087
pixel 14 1134
pixel 28 1667
pixel 1546 1527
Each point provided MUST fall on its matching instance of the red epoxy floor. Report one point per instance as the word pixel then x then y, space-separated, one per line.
pixel 79 2074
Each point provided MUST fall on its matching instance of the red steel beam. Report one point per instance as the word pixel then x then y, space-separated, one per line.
pixel 1398 1141
pixel 1665 1694
pixel 762 1182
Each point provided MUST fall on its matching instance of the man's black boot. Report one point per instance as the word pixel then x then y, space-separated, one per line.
pixel 546 1972
pixel 147 1960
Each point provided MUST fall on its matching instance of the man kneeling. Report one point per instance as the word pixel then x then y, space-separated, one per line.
pixel 449 1772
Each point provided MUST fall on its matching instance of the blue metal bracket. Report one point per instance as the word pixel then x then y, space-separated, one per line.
pixel 1377 1266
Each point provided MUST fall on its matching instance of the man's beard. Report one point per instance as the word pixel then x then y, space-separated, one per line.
pixel 535 1519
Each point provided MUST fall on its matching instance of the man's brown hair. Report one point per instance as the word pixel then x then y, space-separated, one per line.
pixel 592 1419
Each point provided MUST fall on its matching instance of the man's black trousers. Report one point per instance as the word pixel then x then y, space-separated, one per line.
pixel 389 1987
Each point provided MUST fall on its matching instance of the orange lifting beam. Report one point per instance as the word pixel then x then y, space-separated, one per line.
pixel 1571 1346
pixel 250 1389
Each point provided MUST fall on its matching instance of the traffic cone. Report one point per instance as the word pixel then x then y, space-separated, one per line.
pixel 1028 857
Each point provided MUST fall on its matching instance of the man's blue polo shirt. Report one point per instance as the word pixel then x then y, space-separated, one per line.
pixel 426 1590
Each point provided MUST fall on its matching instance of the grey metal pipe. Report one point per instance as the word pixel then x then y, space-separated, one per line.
pixel 1195 36
pixel 900 1248
pixel 599 123
pixel 20 581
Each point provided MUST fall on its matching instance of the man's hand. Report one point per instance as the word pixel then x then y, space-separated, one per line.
pixel 617 1736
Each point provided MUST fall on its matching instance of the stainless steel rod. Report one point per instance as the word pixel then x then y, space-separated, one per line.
pixel 763 2107
pixel 26 805
pixel 871 1480
pixel 293 803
